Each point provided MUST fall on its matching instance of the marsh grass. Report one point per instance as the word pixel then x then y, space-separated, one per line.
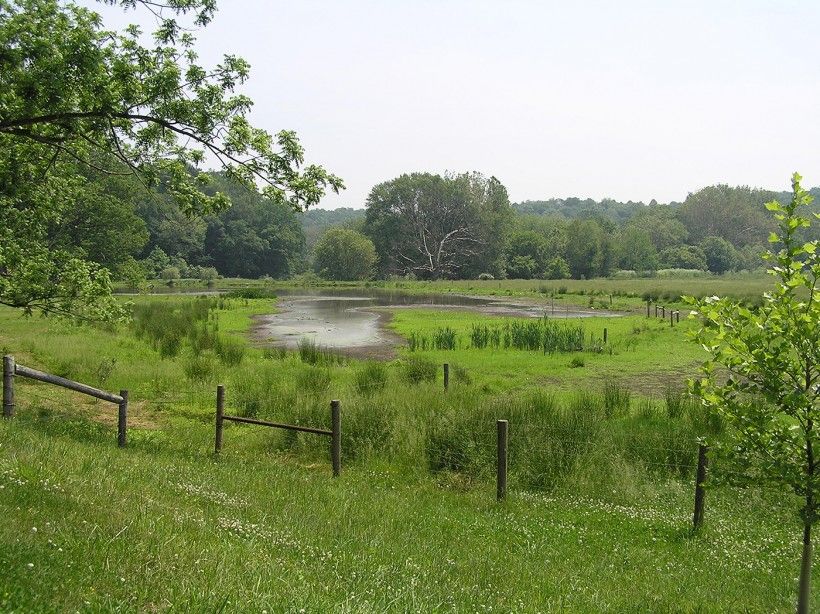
pixel 313 354
pixel 616 398
pixel 418 369
pixel 370 377
pixel 542 335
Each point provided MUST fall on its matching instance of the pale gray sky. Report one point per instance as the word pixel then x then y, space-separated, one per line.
pixel 628 99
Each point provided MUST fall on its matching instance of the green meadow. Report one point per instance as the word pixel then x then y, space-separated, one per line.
pixel 603 446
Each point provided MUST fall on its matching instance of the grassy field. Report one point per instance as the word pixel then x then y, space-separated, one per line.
pixel 645 355
pixel 600 293
pixel 600 499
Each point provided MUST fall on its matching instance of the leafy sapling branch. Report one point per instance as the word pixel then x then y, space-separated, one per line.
pixel 762 377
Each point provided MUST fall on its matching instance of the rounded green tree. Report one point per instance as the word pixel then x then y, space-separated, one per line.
pixel 343 255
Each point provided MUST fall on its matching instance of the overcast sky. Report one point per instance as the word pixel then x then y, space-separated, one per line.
pixel 626 99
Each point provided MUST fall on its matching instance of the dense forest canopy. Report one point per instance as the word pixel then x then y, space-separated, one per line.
pixel 420 224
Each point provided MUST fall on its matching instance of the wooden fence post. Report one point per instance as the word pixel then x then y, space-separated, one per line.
pixel 671 319
pixel 656 310
pixel 336 438
pixel 647 308
pixel 502 427
pixel 220 411
pixel 663 311
pixel 604 335
pixel 700 478
pixel 122 419
pixel 8 386
pixel 677 316
pixel 446 376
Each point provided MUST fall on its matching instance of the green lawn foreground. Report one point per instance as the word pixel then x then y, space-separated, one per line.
pixel 87 526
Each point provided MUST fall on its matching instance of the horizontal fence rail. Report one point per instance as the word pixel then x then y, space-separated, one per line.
pixel 12 369
pixel 278 425
pixel 67 383
pixel 335 432
pixel 501 447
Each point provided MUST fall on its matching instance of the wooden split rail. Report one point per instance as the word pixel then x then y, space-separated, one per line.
pixel 335 432
pixel 12 369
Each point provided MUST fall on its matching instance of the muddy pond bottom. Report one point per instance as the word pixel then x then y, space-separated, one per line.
pixel 355 320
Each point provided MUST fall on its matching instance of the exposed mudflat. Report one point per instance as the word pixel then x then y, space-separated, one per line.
pixel 355 322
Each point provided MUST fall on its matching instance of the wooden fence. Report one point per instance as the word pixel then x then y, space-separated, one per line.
pixel 335 432
pixel 660 312
pixel 12 369
pixel 502 466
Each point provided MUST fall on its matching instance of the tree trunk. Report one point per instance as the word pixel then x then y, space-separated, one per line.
pixel 805 571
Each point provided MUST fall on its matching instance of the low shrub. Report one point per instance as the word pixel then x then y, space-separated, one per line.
pixel 370 378
pixel 200 368
pixel 417 369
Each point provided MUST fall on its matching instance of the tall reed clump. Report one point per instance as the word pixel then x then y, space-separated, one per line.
pixel 417 341
pixel 370 378
pixel 444 339
pixel 166 325
pixel 417 369
pixel 544 335
pixel 616 400
pixel 313 354
pixel 230 351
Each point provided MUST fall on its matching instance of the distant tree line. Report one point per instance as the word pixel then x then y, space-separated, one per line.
pixel 419 225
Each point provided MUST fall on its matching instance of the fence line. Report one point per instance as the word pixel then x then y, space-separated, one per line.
pixel 335 432
pixel 501 448
pixel 11 370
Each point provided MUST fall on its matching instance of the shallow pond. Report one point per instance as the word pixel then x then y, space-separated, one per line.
pixel 353 319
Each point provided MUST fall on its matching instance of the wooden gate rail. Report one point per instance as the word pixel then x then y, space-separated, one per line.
pixel 335 432
pixel 11 369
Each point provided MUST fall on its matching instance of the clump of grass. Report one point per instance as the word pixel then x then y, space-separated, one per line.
pixel 444 339
pixel 417 341
pixel 313 354
pixel 274 353
pixel 417 369
pixel 616 400
pixel 230 351
pixel 675 401
pixel 576 362
pixel 313 379
pixel 200 367
pixel 461 375
pixel 543 335
pixel 371 377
